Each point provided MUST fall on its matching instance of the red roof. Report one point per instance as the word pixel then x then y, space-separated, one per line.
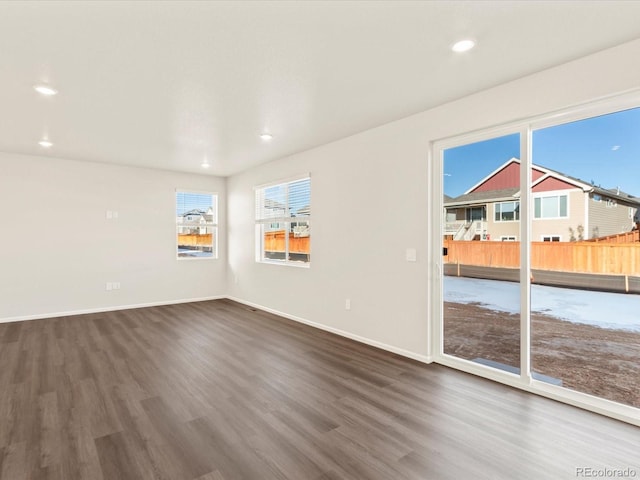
pixel 508 176
pixel 552 183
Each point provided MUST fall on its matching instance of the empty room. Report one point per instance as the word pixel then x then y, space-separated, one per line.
pixel 319 240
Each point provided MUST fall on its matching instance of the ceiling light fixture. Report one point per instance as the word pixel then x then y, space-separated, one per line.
pixel 205 163
pixel 463 46
pixel 266 136
pixel 45 143
pixel 45 90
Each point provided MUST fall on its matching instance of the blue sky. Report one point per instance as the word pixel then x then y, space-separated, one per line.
pixel 605 150
pixel 190 201
pixel 299 194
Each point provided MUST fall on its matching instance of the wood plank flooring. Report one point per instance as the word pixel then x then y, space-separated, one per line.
pixel 218 391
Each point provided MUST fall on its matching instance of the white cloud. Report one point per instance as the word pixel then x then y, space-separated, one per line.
pixel 615 147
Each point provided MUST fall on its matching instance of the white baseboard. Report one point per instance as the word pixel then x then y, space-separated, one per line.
pixel 342 333
pixel 108 309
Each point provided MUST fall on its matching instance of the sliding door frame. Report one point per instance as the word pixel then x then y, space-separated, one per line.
pixel 525 127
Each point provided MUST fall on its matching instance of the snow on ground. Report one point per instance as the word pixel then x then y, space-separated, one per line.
pixel 186 253
pixel 608 310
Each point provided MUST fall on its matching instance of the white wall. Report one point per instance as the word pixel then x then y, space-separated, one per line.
pixel 57 249
pixel 370 197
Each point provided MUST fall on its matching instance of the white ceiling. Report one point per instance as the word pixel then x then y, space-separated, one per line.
pixel 162 84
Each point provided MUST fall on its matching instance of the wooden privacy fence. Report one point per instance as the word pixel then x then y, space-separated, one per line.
pixel 195 240
pixel 579 257
pixel 485 254
pixel 626 237
pixel 275 242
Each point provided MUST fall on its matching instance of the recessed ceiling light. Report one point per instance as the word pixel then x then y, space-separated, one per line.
pixel 463 46
pixel 205 163
pixel 266 136
pixel 45 143
pixel 45 90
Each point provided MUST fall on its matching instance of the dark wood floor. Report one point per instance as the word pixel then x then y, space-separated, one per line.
pixel 215 390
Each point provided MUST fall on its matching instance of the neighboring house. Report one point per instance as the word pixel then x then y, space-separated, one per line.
pixel 277 211
pixel 303 211
pixel 195 221
pixel 564 208
pixel 301 228
pixel 273 209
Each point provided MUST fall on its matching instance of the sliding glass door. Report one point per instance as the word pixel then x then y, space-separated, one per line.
pixel 585 247
pixel 539 274
pixel 481 309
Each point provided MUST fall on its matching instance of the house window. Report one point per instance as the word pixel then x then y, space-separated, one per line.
pixel 507 211
pixel 508 238
pixel 196 224
pixel 551 207
pixel 551 238
pixel 452 215
pixel 476 214
pixel 283 222
pixel 611 203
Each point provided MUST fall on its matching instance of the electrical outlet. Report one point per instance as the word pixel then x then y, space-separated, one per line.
pixel 116 285
pixel 109 286
pixel 347 304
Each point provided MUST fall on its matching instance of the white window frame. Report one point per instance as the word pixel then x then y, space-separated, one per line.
pixel 214 226
pixel 285 219
pixel 557 194
pixel 495 212
pixel 522 380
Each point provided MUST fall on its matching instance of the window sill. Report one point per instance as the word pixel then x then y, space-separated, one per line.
pixel 191 259
pixel 285 264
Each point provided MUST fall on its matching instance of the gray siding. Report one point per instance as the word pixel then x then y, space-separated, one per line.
pixel 606 219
